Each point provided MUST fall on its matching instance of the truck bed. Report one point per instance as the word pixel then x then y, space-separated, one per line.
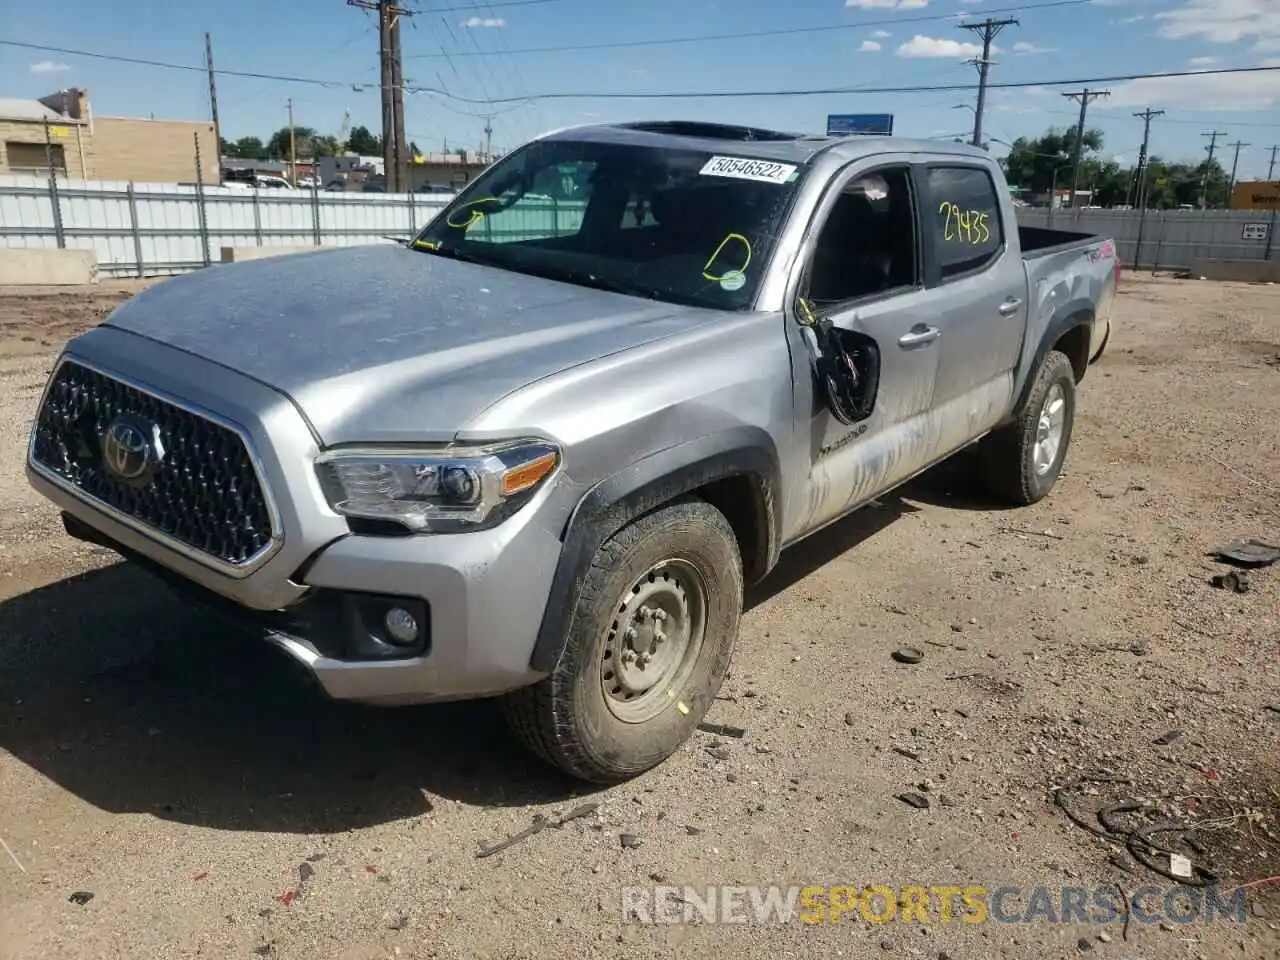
pixel 1041 241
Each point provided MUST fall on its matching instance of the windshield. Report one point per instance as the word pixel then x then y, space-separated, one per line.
pixel 685 226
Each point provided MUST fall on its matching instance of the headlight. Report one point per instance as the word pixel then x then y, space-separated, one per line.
pixel 439 491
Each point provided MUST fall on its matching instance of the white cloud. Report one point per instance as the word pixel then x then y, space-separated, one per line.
pixel 1220 91
pixel 881 34
pixel 49 66
pixel 1224 21
pixel 886 4
pixel 922 47
pixel 868 46
pixel 1023 48
pixel 473 23
pixel 1202 61
pixel 1124 21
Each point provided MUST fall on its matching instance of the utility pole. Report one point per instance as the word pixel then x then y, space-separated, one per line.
pixel 1146 116
pixel 488 140
pixel 213 103
pixel 1235 165
pixel 988 29
pixel 1208 165
pixel 1271 230
pixel 293 149
pixel 394 148
pixel 1085 96
pixel 403 160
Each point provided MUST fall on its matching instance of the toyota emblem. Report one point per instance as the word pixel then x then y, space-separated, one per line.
pixel 131 450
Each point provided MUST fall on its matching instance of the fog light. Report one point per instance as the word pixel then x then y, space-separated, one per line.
pixel 401 626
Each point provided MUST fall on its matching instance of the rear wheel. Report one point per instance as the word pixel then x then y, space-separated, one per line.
pixel 649 645
pixel 1024 459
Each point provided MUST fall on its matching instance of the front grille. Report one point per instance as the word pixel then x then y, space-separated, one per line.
pixel 202 492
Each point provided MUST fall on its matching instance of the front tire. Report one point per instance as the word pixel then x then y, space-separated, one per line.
pixel 649 644
pixel 1025 458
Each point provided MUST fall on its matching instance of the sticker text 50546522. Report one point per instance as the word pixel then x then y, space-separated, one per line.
pixel 964 226
pixel 744 168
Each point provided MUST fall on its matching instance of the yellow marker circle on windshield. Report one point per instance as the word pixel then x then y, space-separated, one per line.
pixel 472 214
pixel 729 238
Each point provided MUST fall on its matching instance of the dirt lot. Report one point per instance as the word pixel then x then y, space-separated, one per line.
pixel 184 776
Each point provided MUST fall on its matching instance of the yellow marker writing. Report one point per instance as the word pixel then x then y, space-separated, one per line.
pixel 472 214
pixel 706 268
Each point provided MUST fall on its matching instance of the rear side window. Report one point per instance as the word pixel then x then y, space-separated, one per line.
pixel 966 219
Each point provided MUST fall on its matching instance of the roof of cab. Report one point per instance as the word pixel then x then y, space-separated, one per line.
pixel 780 146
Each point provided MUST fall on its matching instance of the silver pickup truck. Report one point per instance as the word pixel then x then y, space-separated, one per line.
pixel 538 451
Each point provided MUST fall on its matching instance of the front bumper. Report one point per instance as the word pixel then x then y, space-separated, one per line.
pixel 481 595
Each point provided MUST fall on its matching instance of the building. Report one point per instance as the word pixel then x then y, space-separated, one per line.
pixel 1256 195
pixel 62 127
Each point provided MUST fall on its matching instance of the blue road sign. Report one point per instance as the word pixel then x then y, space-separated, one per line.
pixel 843 124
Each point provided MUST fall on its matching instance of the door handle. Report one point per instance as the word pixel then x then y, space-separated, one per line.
pixel 1010 306
pixel 919 335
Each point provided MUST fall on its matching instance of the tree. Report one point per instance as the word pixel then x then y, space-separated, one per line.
pixel 227 148
pixel 364 143
pixel 249 148
pixel 1031 161
pixel 278 145
pixel 325 146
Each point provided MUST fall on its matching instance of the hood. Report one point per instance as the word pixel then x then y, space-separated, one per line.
pixel 383 343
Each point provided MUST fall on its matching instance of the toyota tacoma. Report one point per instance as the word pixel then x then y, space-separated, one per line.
pixel 538 451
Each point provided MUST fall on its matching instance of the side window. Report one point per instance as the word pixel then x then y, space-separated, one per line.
pixel 868 244
pixel 965 219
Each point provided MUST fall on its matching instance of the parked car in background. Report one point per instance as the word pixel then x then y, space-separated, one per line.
pixel 539 457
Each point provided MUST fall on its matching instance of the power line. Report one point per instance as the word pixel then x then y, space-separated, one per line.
pixel 912 88
pixel 494 3
pixel 988 29
pixel 669 95
pixel 1271 167
pixel 754 34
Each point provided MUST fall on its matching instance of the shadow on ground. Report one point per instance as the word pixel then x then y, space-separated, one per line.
pixel 133 701
pixel 113 689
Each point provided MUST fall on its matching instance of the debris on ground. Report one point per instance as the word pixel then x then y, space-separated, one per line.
pixel 1109 822
pixel 305 872
pixel 629 841
pixel 1167 738
pixel 917 800
pixel 719 753
pixel 540 823
pixel 723 730
pixel 80 897
pixel 908 655
pixel 1237 581
pixel 1248 552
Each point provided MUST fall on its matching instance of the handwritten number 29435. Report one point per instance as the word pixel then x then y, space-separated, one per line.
pixel 964 226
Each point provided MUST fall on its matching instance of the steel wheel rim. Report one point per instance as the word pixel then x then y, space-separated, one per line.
pixel 654 640
pixel 1050 428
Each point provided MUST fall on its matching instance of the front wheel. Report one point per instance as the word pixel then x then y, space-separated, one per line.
pixel 1024 459
pixel 649 645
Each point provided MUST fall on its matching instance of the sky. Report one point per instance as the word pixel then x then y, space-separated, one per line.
pixel 468 52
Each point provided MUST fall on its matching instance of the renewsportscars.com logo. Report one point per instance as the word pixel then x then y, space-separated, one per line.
pixel 941 903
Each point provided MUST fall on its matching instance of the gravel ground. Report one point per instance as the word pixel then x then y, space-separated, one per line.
pixel 215 805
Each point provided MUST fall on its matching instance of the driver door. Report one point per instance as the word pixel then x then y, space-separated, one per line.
pixel 862 281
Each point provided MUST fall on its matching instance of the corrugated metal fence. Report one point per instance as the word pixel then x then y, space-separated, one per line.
pixel 1171 239
pixel 150 229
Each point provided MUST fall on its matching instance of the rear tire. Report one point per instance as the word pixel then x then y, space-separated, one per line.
pixel 1024 459
pixel 649 644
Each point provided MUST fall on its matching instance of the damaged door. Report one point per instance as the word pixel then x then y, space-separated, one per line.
pixel 870 332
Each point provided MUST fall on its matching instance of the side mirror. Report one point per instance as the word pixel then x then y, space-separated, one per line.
pixel 846 367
